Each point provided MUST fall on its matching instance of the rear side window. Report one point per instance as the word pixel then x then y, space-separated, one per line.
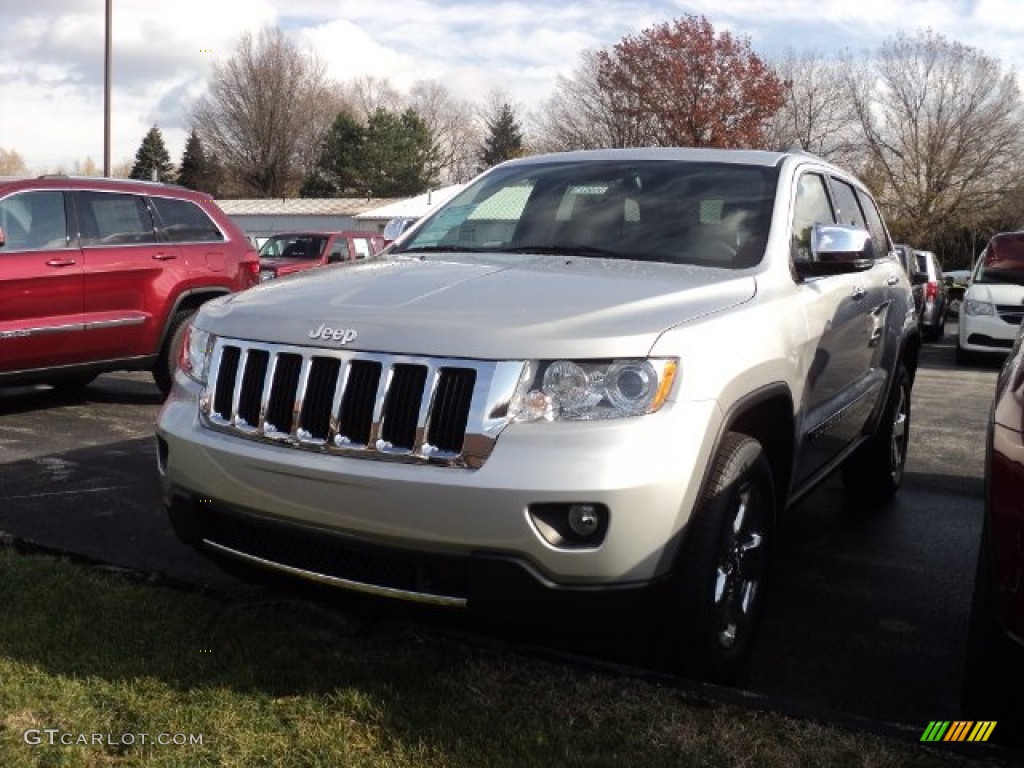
pixel 363 247
pixel 110 218
pixel 339 251
pixel 182 221
pixel 849 209
pixel 34 221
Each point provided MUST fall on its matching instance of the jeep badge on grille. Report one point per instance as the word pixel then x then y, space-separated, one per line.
pixel 325 332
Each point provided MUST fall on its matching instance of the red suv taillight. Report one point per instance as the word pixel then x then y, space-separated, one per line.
pixel 932 290
pixel 251 267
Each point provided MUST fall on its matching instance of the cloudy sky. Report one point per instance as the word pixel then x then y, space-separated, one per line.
pixel 51 60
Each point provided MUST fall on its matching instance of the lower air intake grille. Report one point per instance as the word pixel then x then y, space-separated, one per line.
pixel 321 553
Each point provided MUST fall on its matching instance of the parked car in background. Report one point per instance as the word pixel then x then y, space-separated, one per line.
pixel 397 226
pixel 993 305
pixel 994 670
pixel 956 286
pixel 936 302
pixel 103 274
pixel 914 274
pixel 289 252
pixel 596 378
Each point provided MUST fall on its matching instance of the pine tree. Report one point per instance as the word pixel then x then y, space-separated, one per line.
pixel 152 158
pixel 393 155
pixel 337 169
pixel 197 170
pixel 399 155
pixel 504 139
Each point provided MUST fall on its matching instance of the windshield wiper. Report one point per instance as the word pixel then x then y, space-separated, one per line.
pixel 443 249
pixel 561 250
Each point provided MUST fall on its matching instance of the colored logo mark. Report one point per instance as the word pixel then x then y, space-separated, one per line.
pixel 958 730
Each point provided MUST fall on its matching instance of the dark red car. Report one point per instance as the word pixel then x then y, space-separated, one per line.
pixel 289 252
pixel 103 274
pixel 994 672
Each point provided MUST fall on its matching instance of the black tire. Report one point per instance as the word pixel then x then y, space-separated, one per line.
pixel 717 590
pixel 167 361
pixel 875 471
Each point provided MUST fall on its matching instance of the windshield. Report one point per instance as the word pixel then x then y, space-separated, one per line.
pixel 1002 261
pixel 714 214
pixel 294 247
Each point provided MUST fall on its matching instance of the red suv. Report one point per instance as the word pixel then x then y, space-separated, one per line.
pixel 103 274
pixel 290 252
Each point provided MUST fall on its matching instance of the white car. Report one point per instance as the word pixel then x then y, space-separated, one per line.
pixel 993 305
pixel 593 377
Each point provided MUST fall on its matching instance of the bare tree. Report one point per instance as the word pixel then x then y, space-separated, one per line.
pixel 580 114
pixel 817 114
pixel 456 134
pixel 364 96
pixel 266 112
pixel 942 124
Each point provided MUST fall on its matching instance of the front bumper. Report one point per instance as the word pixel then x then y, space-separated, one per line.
pixel 986 333
pixel 441 524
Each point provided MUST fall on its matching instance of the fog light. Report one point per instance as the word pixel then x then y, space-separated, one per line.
pixel 583 519
pixel 570 525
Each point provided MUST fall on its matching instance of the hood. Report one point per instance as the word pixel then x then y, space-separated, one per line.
pixel 996 293
pixel 506 307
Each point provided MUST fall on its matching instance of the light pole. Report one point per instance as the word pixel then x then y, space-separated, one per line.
pixel 106 96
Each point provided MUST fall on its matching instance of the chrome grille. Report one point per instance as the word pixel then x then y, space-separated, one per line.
pixel 392 407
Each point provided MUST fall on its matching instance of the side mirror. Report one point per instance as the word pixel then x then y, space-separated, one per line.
pixel 837 249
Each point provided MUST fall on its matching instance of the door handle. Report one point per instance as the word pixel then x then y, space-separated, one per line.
pixel 60 263
pixel 858 293
pixel 164 256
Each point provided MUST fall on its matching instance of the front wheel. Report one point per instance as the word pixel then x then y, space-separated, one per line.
pixel 875 471
pixel 167 361
pixel 717 591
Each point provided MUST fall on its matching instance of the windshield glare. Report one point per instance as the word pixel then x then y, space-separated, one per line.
pixel 1002 261
pixel 293 247
pixel 714 214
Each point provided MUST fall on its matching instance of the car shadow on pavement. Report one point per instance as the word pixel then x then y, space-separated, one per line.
pixel 116 389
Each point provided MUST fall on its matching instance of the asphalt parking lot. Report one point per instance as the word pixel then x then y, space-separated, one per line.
pixel 867 615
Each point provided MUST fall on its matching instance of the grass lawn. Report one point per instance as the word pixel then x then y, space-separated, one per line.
pixel 96 668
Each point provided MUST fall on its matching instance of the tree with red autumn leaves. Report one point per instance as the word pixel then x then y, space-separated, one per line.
pixel 680 84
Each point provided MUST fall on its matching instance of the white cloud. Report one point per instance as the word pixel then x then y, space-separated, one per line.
pixel 51 64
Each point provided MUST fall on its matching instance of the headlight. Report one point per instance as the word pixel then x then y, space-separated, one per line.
pixel 975 307
pixel 582 389
pixel 195 354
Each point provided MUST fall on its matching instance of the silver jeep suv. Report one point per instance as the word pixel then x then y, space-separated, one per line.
pixel 599 373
